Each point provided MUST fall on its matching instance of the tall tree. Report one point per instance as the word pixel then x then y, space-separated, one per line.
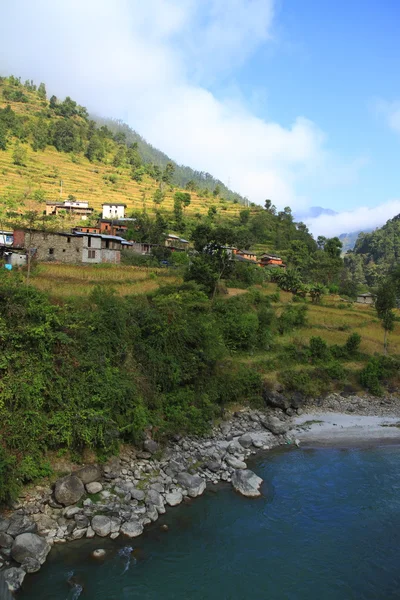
pixel 384 304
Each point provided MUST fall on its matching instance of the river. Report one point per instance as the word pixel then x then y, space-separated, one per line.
pixel 327 528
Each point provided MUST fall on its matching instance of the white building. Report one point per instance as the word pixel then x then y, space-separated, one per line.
pixel 113 211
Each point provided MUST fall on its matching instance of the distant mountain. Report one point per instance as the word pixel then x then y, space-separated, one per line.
pixel 349 239
pixel 313 212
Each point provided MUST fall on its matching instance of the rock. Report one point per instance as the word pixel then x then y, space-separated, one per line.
pixel 235 463
pixel 246 440
pixel 194 484
pixel 275 425
pixel 69 490
pixel 6 540
pixel 82 521
pixel 150 446
pixel 164 527
pixel 155 498
pixel 213 465
pixel 297 400
pixel 235 448
pixel 132 528
pixel 101 525
pixel 138 494
pixel 45 524
pixel 113 468
pixel 290 412
pixel 225 427
pixel 29 545
pixel 14 578
pixel 174 498
pixel 88 473
pixel 158 487
pixel 246 483
pixel 77 534
pixel 21 524
pixel 94 487
pixel 152 512
pixel 276 399
pixel 30 565
pixel 99 553
pixel 71 511
pixel 4 525
pixel 90 533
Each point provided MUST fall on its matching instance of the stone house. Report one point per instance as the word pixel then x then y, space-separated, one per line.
pixel 113 211
pixel 81 209
pixel 74 247
pixel 366 298
pixel 175 243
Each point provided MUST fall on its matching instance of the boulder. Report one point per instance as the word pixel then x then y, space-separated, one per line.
pixel 45 524
pixel 155 498
pixel 82 521
pixel 99 553
pixel 71 511
pixel 151 512
pixel 275 425
pixel 150 446
pixel 138 494
pixel 14 578
pixel 4 524
pixel 90 533
pixel 275 399
pixel 194 484
pixel 30 565
pixel 69 490
pixel 235 463
pixel 297 400
pixel 213 465
pixel 6 541
pixel 93 487
pixel 29 545
pixel 246 440
pixel 174 498
pixel 101 525
pixel 21 524
pixel 247 483
pixel 112 469
pixel 88 474
pixel 132 528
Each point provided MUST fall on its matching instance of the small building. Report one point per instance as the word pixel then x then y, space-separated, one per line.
pixel 75 247
pixel 81 209
pixel 113 211
pixel 175 243
pixel 247 254
pixel 366 298
pixel 271 260
pixel 15 258
pixel 95 229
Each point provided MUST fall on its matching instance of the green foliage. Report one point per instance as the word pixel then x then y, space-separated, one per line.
pixel 20 155
pixel 318 349
pixel 292 316
pixel 378 369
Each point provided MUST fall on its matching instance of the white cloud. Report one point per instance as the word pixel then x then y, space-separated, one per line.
pixel 391 112
pixel 359 219
pixel 149 63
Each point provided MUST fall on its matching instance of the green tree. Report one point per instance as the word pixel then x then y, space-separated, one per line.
pixel 385 302
pixel 42 91
pixel 40 135
pixel 191 186
pixel 244 216
pixel 20 155
pixel 120 157
pixel 217 191
pixel 158 196
pixel 168 173
pixel 3 137
pixel 333 247
pixel 95 149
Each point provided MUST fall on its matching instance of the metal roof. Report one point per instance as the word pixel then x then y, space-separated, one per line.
pixel 114 204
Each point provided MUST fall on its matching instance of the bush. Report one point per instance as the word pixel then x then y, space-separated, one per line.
pixel 292 317
pixel 318 349
pixel 352 345
pixel 377 370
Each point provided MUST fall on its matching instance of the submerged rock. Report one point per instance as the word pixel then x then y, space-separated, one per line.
pixel 69 490
pixel 14 578
pixel 194 484
pixel 247 483
pixel 29 545
pixel 99 553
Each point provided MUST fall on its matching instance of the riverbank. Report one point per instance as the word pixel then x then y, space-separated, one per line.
pixel 132 490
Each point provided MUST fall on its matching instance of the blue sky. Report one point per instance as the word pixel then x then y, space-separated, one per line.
pixel 294 101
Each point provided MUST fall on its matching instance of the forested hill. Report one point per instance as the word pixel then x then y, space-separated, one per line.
pixel 182 176
pixel 44 141
pixel 381 246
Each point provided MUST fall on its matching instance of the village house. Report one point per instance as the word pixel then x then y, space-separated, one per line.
pixel 74 247
pixel 113 211
pixel 80 209
pixel 175 243
pixel 246 254
pixel 366 298
pixel 271 260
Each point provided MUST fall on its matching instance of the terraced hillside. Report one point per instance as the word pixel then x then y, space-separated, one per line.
pixel 42 169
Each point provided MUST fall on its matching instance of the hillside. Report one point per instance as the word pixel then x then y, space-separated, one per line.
pixel 379 250
pixel 44 143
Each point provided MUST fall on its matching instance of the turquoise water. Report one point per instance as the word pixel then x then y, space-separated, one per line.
pixel 328 528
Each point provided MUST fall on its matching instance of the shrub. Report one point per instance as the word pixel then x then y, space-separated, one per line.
pixel 292 317
pixel 318 349
pixel 352 344
pixel 377 370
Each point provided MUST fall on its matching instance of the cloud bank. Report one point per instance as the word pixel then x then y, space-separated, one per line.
pixel 153 65
pixel 359 219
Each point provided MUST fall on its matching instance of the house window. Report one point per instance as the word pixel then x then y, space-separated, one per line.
pixel 68 241
pixel 89 243
pixel 64 250
pixel 92 254
pixel 51 250
pixel 107 244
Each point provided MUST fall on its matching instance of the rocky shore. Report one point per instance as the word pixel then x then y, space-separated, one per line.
pixel 131 491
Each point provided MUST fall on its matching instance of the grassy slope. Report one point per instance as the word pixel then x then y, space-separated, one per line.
pixel 85 180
